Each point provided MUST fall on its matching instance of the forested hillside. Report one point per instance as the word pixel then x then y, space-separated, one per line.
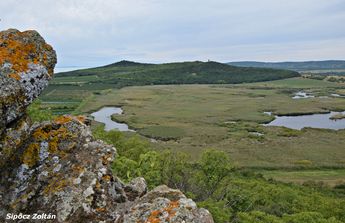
pixel 126 73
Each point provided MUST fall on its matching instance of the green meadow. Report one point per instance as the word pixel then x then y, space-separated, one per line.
pixel 191 118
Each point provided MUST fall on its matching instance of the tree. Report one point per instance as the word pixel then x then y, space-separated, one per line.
pixel 125 168
pixel 176 169
pixel 149 167
pixel 213 167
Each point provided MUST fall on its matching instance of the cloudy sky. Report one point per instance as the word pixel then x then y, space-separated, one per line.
pixel 98 32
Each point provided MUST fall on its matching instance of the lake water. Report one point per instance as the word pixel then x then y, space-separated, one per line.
pixel 104 116
pixel 322 121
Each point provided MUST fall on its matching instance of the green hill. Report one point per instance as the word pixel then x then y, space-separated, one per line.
pixel 296 66
pixel 127 73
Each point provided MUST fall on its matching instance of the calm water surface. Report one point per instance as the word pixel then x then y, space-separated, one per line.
pixel 104 116
pixel 322 121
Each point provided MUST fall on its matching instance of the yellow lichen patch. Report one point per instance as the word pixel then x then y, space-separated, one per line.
pixel 58 184
pixel 53 136
pixel 31 155
pixel 40 134
pixel 53 145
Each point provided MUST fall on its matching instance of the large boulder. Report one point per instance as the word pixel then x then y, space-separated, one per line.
pixel 26 65
pixel 56 167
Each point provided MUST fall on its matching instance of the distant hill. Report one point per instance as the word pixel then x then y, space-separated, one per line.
pixel 296 66
pixel 127 73
pixel 126 63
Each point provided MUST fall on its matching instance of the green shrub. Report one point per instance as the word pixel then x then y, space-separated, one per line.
pixel 231 195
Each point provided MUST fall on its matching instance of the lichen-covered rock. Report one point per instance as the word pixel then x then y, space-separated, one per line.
pixel 13 137
pixel 57 167
pixel 26 66
pixel 61 170
pixel 166 205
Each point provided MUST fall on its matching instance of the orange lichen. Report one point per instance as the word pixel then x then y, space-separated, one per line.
pixel 63 119
pixel 14 76
pixel 154 217
pixel 17 53
pixel 106 178
pixel 100 209
pixel 81 118
pixel 171 209
pixel 16 50
pixel 31 155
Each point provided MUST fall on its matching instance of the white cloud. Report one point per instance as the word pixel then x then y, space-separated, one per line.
pixel 92 32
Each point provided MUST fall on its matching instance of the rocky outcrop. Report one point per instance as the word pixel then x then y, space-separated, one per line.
pixel 26 66
pixel 166 205
pixel 57 167
pixel 61 170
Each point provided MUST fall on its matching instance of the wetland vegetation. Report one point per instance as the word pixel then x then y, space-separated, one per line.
pixel 250 163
